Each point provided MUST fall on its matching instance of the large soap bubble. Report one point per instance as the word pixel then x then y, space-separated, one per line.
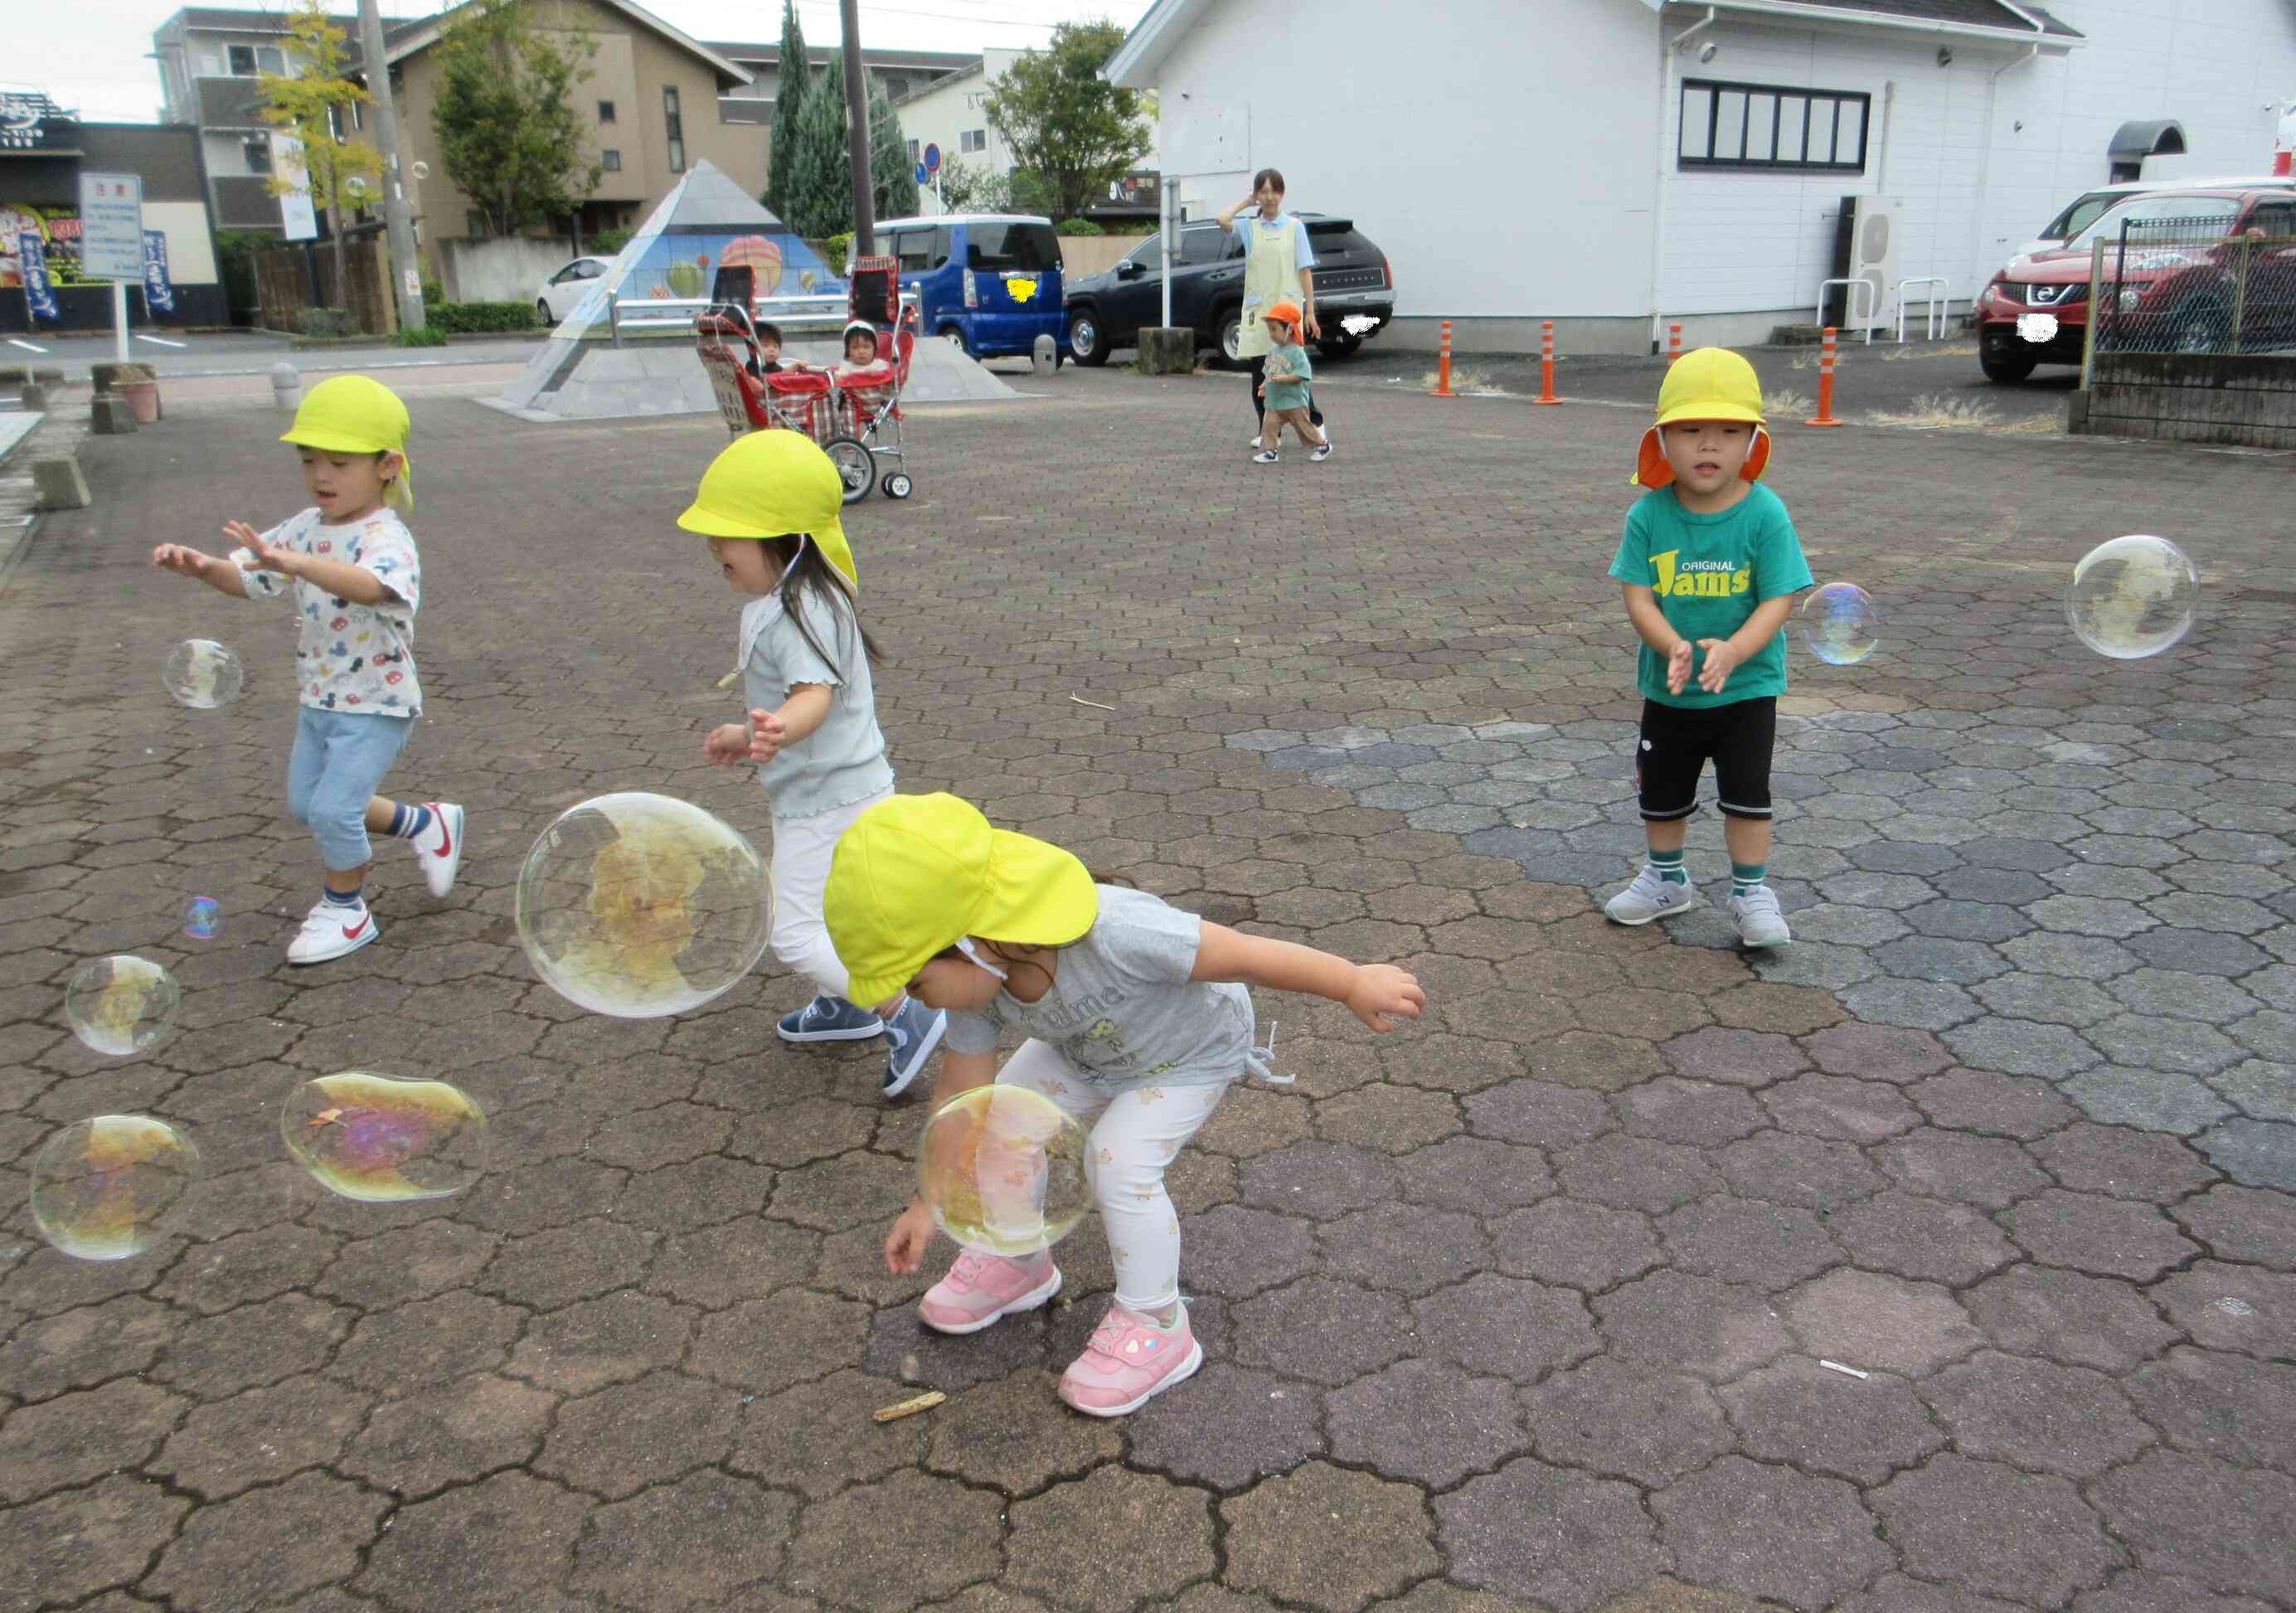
pixel 204 674
pixel 1003 1169
pixel 2133 597
pixel 381 1139
pixel 1838 623
pixel 639 906
pixel 101 1187
pixel 122 1005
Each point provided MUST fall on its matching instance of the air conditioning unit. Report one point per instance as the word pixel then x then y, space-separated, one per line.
pixel 1867 250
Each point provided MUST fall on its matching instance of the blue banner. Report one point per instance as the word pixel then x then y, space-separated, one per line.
pixel 159 291
pixel 39 291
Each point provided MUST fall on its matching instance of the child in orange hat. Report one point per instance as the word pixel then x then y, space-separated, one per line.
pixel 1286 388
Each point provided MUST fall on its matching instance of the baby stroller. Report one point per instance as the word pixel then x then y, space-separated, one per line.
pixel 856 421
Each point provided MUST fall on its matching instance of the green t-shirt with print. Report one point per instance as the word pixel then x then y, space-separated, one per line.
pixel 1710 571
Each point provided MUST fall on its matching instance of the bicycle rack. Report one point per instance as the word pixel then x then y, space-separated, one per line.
pixel 1852 281
pixel 1936 307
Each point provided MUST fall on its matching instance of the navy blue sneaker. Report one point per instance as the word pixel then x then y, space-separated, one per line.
pixel 830 1019
pixel 913 1033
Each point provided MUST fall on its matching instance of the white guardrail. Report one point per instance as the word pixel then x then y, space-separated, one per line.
pixel 826 311
pixel 1937 306
pixel 1853 282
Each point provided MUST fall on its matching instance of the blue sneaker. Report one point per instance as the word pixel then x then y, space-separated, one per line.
pixel 830 1019
pixel 913 1033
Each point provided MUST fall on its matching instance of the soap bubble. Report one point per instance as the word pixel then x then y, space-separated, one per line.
pixel 2133 597
pixel 381 1139
pixel 202 918
pixel 99 1187
pixel 1003 1169
pixel 1839 624
pixel 639 906
pixel 204 674
pixel 120 1005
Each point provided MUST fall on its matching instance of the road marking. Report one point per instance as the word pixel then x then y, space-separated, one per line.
pixel 159 341
pixel 27 347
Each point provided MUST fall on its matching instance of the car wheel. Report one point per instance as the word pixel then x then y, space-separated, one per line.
pixel 954 336
pixel 1231 337
pixel 2202 326
pixel 2002 360
pixel 1087 340
pixel 855 467
pixel 1341 346
pixel 542 308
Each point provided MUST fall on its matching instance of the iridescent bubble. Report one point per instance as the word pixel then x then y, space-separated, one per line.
pixel 1839 623
pixel 639 906
pixel 382 1139
pixel 2133 597
pixel 101 1187
pixel 204 674
pixel 120 1005
pixel 203 919
pixel 1003 1169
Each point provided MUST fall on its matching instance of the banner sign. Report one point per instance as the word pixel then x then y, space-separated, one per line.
pixel 159 291
pixel 297 220
pixel 32 268
pixel 112 227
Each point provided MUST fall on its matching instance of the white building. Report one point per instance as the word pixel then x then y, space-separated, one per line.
pixel 1590 161
pixel 952 113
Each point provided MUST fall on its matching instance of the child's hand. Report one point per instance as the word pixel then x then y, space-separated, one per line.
pixel 1381 990
pixel 727 744
pixel 1721 661
pixel 912 1234
pixel 1263 389
pixel 262 556
pixel 1678 667
pixel 181 559
pixel 767 734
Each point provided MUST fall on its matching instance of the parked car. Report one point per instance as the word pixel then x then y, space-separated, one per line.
pixel 990 283
pixel 2198 262
pixel 2083 209
pixel 567 287
pixel 1355 290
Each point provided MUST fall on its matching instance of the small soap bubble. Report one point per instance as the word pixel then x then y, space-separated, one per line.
pixel 1003 1168
pixel 1839 623
pixel 383 1139
pixel 640 906
pixel 100 1187
pixel 120 1005
pixel 203 919
pixel 204 674
pixel 2133 597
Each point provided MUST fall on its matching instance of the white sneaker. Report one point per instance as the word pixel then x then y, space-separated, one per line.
pixel 1266 456
pixel 1253 440
pixel 1760 921
pixel 330 930
pixel 1650 896
pixel 1322 450
pixel 441 860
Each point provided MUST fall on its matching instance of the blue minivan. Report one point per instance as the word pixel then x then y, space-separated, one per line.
pixel 990 283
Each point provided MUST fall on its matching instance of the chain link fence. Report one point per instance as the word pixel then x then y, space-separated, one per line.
pixel 2189 284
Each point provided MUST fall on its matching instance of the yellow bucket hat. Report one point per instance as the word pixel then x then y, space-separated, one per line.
pixel 358 414
pixel 1706 383
pixel 916 873
pixel 774 484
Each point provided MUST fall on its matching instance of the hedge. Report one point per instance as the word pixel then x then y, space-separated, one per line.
pixel 1078 227
pixel 464 318
pixel 419 335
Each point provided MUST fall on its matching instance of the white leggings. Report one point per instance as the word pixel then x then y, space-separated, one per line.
pixel 1135 1134
pixel 802 848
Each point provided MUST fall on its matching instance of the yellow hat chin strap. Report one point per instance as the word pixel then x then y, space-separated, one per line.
pixel 965 945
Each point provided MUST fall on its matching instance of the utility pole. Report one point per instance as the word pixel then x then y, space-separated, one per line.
pixel 856 108
pixel 396 222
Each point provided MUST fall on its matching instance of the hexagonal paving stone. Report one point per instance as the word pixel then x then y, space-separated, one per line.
pixel 1770 1531
pixel 1235 1253
pixel 1864 1319
pixel 1975 1100
pixel 1403 1248
pixel 1696 1113
pixel 1637 1173
pixel 1699 1324
pixel 630 1436
pixel 1322 1534
pixel 2105 1237
pixel 1740 1240
pixel 1607 1416
pixel 1539 1114
pixel 1475 1174
pixel 1233 1427
pixel 2233 1307
pixel 1584 1246
pixel 1924 1240
pixel 1795 1411
pixel 1317 1179
pixel 1329 1331
pixel 1546 1535
pixel 2239 1222
pixel 2226 1526
pixel 82 1436
pixel 1838 1107
pixel 1491 1323
pixel 2216 1404
pixel 1425 1421
pixel 452 1433
pixel 481 1544
pixel 1110 1539
pixel 1816 1173
pixel 260 1436
pixel 1740 1058
pixel 2037 1414
pixel 1987 1529
pixel 2154 1100
pixel 72 1545
pixel 1989 1171
pixel 2256 1152
pixel 708 1540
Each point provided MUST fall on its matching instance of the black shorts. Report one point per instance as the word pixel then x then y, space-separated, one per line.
pixel 1678 741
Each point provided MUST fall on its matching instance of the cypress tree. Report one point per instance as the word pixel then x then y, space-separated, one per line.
pixel 820 196
pixel 789 105
pixel 892 171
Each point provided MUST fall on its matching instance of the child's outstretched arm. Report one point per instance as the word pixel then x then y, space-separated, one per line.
pixel 1724 656
pixel 790 722
pixel 904 1245
pixel 213 569
pixel 354 583
pixel 1377 993
pixel 1657 632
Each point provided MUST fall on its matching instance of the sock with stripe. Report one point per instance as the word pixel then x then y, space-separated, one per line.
pixel 1669 867
pixel 1745 876
pixel 343 899
pixel 408 820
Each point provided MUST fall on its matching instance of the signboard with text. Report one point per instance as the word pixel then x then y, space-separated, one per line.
pixel 112 227
pixel 297 220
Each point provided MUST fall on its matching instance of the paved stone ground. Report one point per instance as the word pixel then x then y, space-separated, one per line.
pixel 1521 1307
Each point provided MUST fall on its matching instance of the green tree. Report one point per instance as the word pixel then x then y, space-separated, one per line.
pixel 789 100
pixel 315 106
pixel 820 199
pixel 969 188
pixel 505 121
pixel 1078 131
pixel 892 171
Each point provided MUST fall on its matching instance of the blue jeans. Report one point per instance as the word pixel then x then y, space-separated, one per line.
pixel 338 760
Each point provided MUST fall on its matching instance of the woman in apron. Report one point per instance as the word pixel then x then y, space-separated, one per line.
pixel 1276 267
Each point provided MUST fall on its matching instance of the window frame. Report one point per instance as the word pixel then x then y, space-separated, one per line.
pixel 609 159
pixel 971 142
pixel 249 145
pixel 606 111
pixel 1774 99
pixel 673 123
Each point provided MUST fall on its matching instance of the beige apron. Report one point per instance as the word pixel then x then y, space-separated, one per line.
pixel 1270 274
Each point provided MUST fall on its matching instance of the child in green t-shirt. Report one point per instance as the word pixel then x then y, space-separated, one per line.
pixel 1711 566
pixel 1286 388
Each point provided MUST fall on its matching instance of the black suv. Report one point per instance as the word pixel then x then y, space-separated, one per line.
pixel 1355 290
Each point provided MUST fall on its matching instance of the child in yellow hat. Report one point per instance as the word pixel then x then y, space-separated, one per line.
pixel 768 505
pixel 1709 564
pixel 1137 1019
pixel 350 566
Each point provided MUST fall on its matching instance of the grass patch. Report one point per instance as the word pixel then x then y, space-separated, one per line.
pixel 1952 349
pixel 1464 380
pixel 1785 404
pixel 1934 411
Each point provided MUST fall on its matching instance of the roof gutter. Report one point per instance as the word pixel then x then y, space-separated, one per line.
pixel 1835 15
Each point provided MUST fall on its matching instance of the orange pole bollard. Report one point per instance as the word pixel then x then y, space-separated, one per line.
pixel 1443 366
pixel 1825 416
pixel 1673 342
pixel 1546 362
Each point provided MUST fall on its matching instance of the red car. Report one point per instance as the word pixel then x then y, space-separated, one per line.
pixel 2195 260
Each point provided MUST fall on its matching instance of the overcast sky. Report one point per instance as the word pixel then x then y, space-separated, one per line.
pixel 90 55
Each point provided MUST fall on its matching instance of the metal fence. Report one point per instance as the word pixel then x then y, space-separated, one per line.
pixel 2189 285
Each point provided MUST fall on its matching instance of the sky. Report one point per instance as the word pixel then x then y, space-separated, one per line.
pixel 92 55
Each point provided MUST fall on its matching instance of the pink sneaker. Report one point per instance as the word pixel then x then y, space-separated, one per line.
pixel 982 1287
pixel 1129 1361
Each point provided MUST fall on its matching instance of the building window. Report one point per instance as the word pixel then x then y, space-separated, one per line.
pixel 258 150
pixel 972 140
pixel 611 160
pixel 474 225
pixel 915 154
pixel 676 128
pixel 605 112
pixel 248 60
pixel 1768 126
